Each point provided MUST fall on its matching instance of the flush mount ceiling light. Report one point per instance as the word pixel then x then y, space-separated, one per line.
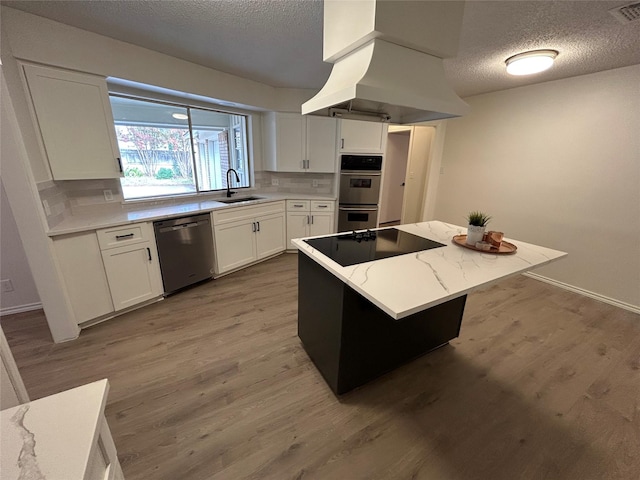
pixel 179 116
pixel 530 62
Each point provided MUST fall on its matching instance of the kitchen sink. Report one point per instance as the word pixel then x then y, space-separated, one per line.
pixel 239 199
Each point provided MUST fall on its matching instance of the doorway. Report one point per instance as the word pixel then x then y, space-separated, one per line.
pixel 405 174
pixel 394 173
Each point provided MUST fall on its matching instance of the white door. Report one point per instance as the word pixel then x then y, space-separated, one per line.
pixel 74 117
pixel 321 144
pixel 297 226
pixel 416 177
pixel 362 137
pixel 133 273
pixel 290 148
pixel 234 245
pixel 394 174
pixel 321 224
pixel 270 235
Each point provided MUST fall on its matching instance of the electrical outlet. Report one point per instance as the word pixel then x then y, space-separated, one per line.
pixel 108 196
pixel 275 182
pixel 7 286
pixel 314 183
pixel 47 210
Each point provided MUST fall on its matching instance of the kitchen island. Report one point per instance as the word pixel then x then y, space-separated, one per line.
pixel 358 321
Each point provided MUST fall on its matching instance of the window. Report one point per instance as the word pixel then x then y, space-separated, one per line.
pixel 169 149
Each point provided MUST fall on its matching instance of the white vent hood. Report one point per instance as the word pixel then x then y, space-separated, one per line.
pixel 388 60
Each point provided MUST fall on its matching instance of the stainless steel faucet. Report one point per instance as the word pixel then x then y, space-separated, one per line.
pixel 229 192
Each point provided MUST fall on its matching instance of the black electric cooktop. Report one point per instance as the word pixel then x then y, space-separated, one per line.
pixel 359 247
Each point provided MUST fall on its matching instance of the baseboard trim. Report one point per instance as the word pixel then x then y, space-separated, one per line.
pixel 586 293
pixel 20 308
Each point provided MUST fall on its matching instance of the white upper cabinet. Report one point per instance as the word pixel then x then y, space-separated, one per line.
pixel 297 143
pixel 358 136
pixel 322 133
pixel 73 115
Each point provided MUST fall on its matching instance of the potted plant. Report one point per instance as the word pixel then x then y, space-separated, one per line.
pixel 475 230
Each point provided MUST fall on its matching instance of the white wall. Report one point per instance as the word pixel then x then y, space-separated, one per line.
pixel 13 264
pixel 556 164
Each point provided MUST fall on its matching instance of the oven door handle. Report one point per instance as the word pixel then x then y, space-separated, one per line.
pixel 363 173
pixel 358 209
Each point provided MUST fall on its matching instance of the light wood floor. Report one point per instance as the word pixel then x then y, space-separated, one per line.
pixel 213 383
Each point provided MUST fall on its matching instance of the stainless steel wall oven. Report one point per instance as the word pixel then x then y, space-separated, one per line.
pixel 360 177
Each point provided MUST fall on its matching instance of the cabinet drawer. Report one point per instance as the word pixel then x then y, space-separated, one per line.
pixel 322 206
pixel 124 235
pixel 297 205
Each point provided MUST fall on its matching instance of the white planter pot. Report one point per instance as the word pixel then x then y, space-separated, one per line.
pixel 474 234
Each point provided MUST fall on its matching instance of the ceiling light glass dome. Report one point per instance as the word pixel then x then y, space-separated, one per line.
pixel 530 62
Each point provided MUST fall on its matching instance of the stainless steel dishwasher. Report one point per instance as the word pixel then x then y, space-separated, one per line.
pixel 185 250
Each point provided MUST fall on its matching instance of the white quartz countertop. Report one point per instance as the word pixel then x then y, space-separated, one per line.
pixel 413 282
pixel 51 438
pixel 145 212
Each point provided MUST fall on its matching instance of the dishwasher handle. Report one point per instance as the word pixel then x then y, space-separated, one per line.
pixel 182 226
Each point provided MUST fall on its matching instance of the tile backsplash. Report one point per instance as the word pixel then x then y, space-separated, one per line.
pixel 56 197
pixel 296 183
pixel 73 197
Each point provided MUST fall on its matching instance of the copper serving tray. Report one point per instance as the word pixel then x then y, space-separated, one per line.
pixel 505 248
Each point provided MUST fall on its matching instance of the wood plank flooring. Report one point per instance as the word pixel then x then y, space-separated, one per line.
pixel 213 383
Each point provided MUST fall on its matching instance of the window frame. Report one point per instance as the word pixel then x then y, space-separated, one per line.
pixel 203 106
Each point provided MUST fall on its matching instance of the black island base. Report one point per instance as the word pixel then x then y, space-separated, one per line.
pixel 352 341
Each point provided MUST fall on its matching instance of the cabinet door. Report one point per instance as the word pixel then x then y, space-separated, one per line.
pixel 270 237
pixel 362 137
pixel 321 144
pixel 80 263
pixel 234 245
pixel 74 117
pixel 297 226
pixel 133 272
pixel 290 143
pixel 321 224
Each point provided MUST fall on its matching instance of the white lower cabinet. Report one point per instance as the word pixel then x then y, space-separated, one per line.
pixel 80 263
pixel 308 218
pixel 131 266
pixel 133 274
pixel 247 234
pixel 234 245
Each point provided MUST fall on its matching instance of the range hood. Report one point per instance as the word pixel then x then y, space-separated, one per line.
pixel 389 69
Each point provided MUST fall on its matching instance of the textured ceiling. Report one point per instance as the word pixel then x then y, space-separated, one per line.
pixel 279 42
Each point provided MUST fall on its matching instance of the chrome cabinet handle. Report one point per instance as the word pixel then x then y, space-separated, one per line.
pixel 342 143
pixel 322 206
pixel 258 226
pixel 149 253
pixel 122 237
pixel 119 164
pixel 311 219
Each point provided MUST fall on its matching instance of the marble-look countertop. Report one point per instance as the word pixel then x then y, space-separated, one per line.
pixel 51 438
pixel 413 282
pixel 145 212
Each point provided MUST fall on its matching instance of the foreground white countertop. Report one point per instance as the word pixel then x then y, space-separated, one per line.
pixel 145 212
pixel 413 282
pixel 52 436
